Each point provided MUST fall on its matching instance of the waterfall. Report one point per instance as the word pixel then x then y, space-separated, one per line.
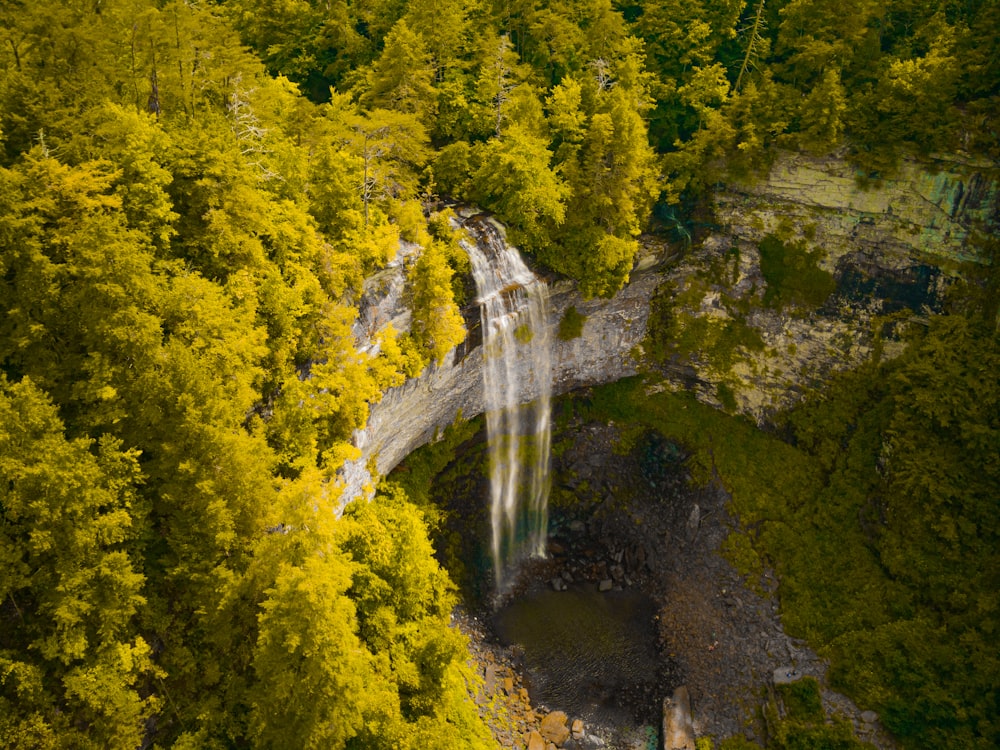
pixel 517 386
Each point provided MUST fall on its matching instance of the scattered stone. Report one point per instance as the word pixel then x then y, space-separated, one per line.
pixel 605 585
pixel 869 717
pixel 567 576
pixel 617 572
pixel 535 741
pixel 577 526
pixel 577 729
pixel 554 727
pixel 508 685
pixel 491 679
pixel 694 520
pixel 558 584
pixel 678 728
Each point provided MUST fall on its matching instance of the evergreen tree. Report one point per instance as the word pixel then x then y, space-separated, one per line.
pixel 437 325
pixel 515 179
pixel 402 78
pixel 72 665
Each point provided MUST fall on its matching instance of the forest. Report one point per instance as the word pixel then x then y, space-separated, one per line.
pixel 191 194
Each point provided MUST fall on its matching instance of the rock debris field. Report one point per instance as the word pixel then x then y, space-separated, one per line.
pixel 631 529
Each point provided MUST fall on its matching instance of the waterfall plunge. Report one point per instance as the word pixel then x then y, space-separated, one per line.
pixel 517 384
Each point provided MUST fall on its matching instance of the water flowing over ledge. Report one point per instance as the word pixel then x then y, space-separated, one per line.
pixel 517 347
pixel 414 413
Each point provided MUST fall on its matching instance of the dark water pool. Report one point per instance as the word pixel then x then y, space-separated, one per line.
pixel 588 653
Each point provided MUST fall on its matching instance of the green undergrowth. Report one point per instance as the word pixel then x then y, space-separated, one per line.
pixel 802 701
pixel 801 724
pixel 416 475
pixel 795 720
pixel 677 329
pixel 440 478
pixel 875 504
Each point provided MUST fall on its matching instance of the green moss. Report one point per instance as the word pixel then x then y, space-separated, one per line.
pixel 739 551
pixel 523 333
pixel 416 475
pixel 571 325
pixel 739 742
pixel 793 274
pixel 724 392
pixel 677 328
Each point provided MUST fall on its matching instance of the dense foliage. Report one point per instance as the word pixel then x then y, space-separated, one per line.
pixel 545 111
pixel 182 236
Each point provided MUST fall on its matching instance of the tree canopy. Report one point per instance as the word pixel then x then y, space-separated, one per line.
pixel 191 195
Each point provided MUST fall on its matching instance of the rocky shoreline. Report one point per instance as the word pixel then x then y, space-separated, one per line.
pixel 626 520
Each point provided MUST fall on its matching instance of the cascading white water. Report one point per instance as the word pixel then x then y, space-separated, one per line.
pixel 517 383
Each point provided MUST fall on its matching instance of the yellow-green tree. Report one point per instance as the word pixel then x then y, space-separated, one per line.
pixel 437 326
pixel 72 665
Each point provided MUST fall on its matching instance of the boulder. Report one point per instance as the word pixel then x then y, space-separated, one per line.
pixel 554 727
pixel 678 727
pixel 786 675
pixel 535 741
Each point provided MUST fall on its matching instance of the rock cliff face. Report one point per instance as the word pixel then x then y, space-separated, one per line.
pixel 411 415
pixel 890 247
pixel 925 211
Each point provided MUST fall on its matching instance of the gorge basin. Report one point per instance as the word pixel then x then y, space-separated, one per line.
pixel 591 654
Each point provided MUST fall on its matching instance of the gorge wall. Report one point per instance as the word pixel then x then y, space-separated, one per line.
pixel 888 250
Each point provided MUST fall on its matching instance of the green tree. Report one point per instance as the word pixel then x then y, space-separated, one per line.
pixel 815 35
pixel 314 679
pixel 403 76
pixel 404 601
pixel 515 179
pixel 823 114
pixel 437 325
pixel 72 665
pixel 613 179
pixel 912 103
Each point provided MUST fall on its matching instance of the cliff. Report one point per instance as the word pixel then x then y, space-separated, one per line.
pixel 889 251
pixel 412 414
